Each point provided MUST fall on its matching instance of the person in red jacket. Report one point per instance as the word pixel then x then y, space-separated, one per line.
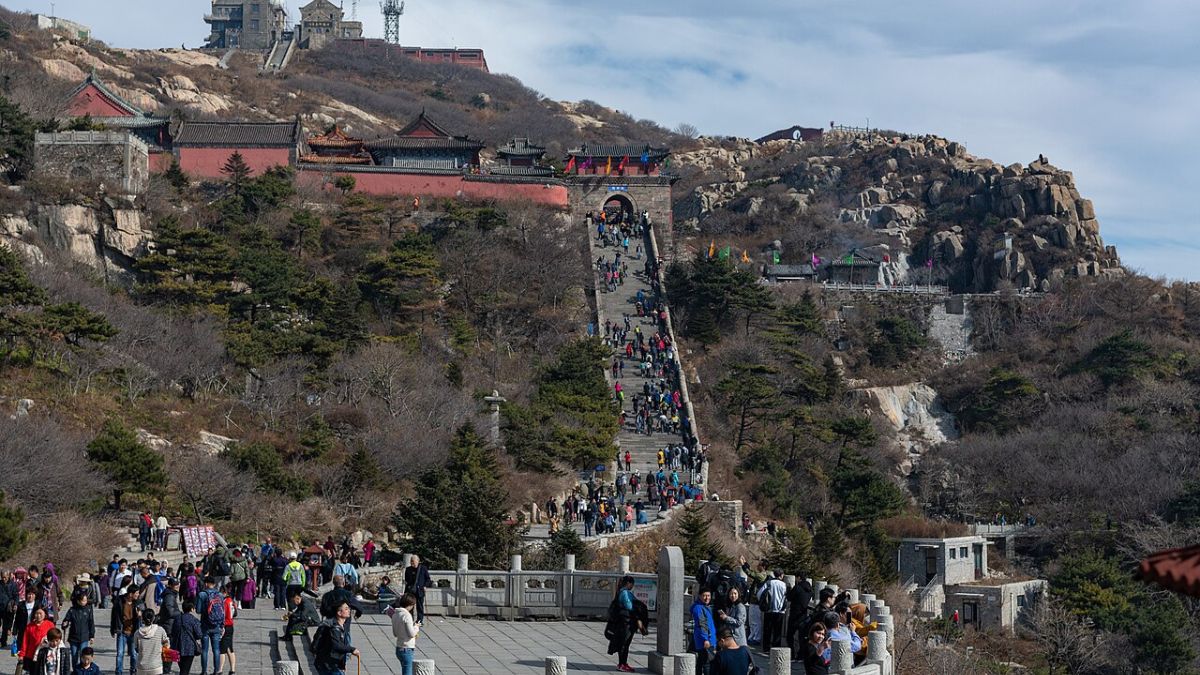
pixel 227 654
pixel 32 638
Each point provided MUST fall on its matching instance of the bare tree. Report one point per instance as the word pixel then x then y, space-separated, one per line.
pixel 1068 642
pixel 208 485
pixel 687 130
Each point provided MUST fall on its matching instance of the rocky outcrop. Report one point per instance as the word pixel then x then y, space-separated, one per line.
pixel 983 224
pixel 182 89
pixel 106 238
pixel 915 413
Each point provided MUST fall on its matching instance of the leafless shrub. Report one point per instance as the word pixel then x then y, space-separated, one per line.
pixel 74 542
pixel 46 470
pixel 208 486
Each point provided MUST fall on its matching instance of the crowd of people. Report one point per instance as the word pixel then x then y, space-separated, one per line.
pixel 625 502
pixel 736 608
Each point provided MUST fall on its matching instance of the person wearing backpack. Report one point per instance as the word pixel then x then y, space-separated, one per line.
pixel 771 599
pixel 799 597
pixel 231 611
pixel 79 624
pixel 331 643
pixel 219 568
pixel 212 624
pixel 239 571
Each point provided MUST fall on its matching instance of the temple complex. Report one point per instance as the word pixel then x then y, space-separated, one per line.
pixel 425 146
pixel 335 147
pixel 108 110
pixel 520 157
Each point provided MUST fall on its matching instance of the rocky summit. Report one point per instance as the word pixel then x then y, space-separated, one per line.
pixel 916 199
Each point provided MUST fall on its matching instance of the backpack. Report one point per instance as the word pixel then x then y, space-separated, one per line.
pixel 214 608
pixel 322 640
pixel 721 585
pixel 191 584
pixel 222 566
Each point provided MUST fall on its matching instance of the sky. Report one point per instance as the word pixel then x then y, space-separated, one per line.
pixel 1107 89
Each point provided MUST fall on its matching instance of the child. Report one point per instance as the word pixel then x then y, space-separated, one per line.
pixel 86 665
pixel 54 658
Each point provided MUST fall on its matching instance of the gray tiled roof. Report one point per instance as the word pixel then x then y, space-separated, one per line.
pixel 423 143
pixel 248 134
pixel 633 152
pixel 521 171
pixel 521 147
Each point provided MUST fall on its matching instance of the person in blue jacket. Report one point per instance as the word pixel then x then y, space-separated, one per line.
pixel 704 632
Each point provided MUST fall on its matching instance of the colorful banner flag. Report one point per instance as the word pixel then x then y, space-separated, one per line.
pixel 608 169
pixel 712 248
pixel 745 256
pixel 929 263
pixel 775 258
pixel 624 161
pixel 849 260
pixel 570 165
pixel 646 157
pixel 724 254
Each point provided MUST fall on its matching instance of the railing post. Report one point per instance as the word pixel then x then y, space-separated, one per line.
pixel 877 642
pixel 568 586
pixel 685 664
pixel 781 661
pixel 556 665
pixel 516 588
pixel 841 659
pixel 623 564
pixel 424 667
pixel 460 585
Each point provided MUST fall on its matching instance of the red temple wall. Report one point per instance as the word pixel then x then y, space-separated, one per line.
pixel 385 184
pixel 207 162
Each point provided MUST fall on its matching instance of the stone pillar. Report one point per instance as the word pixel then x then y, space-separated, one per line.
pixel 463 561
pixel 516 563
pixel 867 599
pixel 780 661
pixel 671 612
pixel 789 579
pixel 556 665
pixel 287 668
pixel 877 643
pixel 841 658
pixel 685 663
pixel 494 402
pixel 818 586
pixel 834 588
pixel 569 562
pixel 424 667
pixel 405 559
pixel 853 595
pixel 516 588
pixel 623 564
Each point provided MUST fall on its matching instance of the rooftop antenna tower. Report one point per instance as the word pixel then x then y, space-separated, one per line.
pixel 354 10
pixel 392 11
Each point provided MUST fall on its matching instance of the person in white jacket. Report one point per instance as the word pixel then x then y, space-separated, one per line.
pixel 405 630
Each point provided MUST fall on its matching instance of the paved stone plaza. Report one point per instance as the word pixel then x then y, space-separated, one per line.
pixel 457 646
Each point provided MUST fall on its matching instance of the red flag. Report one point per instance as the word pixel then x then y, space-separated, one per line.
pixel 624 160
pixel 570 165
pixel 929 262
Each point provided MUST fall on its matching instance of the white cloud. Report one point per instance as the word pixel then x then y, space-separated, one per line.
pixel 1108 90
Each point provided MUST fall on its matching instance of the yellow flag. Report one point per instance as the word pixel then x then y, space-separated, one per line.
pixel 608 170
pixel 712 248
pixel 745 257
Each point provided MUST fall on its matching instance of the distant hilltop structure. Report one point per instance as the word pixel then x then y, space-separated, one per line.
pixel 263 25
pixel 77 31
pixel 246 24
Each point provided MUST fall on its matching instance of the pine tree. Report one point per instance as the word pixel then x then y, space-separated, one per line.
pixel 345 184
pixel 695 541
pixel 792 552
pixel 829 542
pixel 129 465
pixel 236 172
pixel 15 286
pixel 12 535
pixel 74 323
pixel 563 542
pixel 175 176
pixel 460 508
pixel 16 140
